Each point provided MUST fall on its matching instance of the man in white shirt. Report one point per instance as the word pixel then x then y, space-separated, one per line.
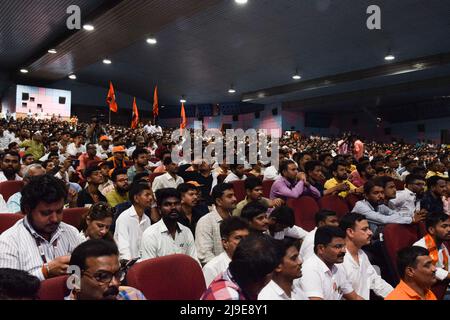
pixel 10 167
pixel 407 201
pixel 356 264
pixel 167 236
pixel 282 224
pixel 207 233
pixel 324 277
pixel 237 173
pixel 438 232
pixel 104 148
pixel 323 218
pixel 5 140
pixel 132 223
pixel 232 231
pixel 76 148
pixel 168 180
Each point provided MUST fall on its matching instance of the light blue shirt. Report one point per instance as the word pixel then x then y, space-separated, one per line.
pixel 13 203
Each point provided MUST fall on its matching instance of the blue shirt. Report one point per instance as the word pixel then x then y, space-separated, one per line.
pixel 13 203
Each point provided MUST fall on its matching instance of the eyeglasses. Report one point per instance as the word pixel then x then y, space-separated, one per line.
pixel 106 277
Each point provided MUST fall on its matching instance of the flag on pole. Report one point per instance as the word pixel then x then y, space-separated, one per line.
pixel 183 118
pixel 135 120
pixel 111 98
pixel 155 104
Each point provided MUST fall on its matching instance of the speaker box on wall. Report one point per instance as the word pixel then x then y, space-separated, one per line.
pixel 275 111
pixel 235 118
pixel 62 100
pixel 421 127
pixel 25 96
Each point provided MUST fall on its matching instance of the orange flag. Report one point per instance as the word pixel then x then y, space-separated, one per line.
pixel 111 98
pixel 155 103
pixel 183 119
pixel 135 120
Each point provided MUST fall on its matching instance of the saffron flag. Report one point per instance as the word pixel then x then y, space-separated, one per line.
pixel 183 119
pixel 135 120
pixel 155 104
pixel 111 98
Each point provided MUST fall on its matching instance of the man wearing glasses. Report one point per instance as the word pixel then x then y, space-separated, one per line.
pixel 407 201
pixel 101 274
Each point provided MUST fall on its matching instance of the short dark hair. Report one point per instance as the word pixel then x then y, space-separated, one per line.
pixel 219 190
pixel 324 155
pixel 167 161
pixel 163 194
pixel 255 257
pixel 284 215
pixel 252 210
pixel 117 172
pixel 92 249
pixel 98 211
pixel 362 166
pixel 11 153
pixel 44 188
pixel 288 242
pixel 383 181
pixel 322 215
pixel 349 220
pixel 407 257
pixel 18 284
pixel 325 235
pixel 433 181
pixel 338 163
pixel 311 165
pixel 252 182
pixel 136 189
pixel 185 187
pixel 228 226
pixel 90 170
pixel 136 153
pixel 284 165
pixel 433 218
pixel 369 185
pixel 139 176
pixel 410 178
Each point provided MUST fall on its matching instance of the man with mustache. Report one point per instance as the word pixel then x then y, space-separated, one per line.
pixel 324 277
pixel 356 264
pixel 340 179
pixel 40 243
pixel 417 274
pixel 10 166
pixel 120 193
pixel 438 232
pixel 101 275
pixel 167 236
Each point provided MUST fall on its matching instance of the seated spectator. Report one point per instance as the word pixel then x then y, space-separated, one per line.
pixel 282 224
pixel 76 148
pixel 107 185
pixel 324 277
pixel 40 243
pixel 118 158
pixel 437 168
pixel 291 184
pixel 254 190
pixel 10 165
pixel 167 236
pixel 91 195
pixel 340 180
pixel 18 285
pixel 432 199
pixel 207 232
pixel 90 155
pixel 250 270
pixel 232 231
pixel 302 158
pixel 34 146
pixel 120 193
pixel 407 201
pixel 417 274
pixel 132 223
pixel 323 218
pixel 168 180
pixel 140 159
pixel 365 173
pixel 201 174
pixel 28 159
pixel 96 223
pixel 101 275
pixel 104 148
pixel 356 264
pixel 237 173
pixel 256 215
pixel 139 143
pixel 409 166
pixel 52 148
pixel 281 286
pixel 327 162
pixel 191 210
pixel 160 167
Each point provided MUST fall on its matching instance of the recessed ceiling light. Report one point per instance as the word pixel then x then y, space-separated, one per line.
pixel 296 77
pixel 389 57
pixel 88 27
pixel 231 90
pixel 241 2
pixel 107 61
pixel 183 101
pixel 52 51
pixel 73 77
pixel 24 70
pixel 152 40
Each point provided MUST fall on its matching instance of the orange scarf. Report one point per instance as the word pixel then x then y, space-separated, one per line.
pixel 434 252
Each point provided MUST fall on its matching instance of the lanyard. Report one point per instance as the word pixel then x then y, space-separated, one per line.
pixel 39 243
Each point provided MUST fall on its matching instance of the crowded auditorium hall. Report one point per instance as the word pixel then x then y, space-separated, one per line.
pixel 224 150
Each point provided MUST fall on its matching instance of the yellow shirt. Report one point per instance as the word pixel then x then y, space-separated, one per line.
pixel 114 198
pixel 333 183
pixel 433 173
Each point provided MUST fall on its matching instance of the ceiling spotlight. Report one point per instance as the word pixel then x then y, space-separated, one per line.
pixel 389 57
pixel 183 101
pixel 24 70
pixel 52 51
pixel 241 2
pixel 296 77
pixel 152 40
pixel 88 27
pixel 231 90
pixel 107 61
pixel 72 77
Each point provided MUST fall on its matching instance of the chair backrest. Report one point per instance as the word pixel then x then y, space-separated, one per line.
pixel 352 199
pixel 73 216
pixel 7 220
pixel 54 289
pixel 397 237
pixel 152 176
pixel 305 209
pixel 399 184
pixel 334 203
pixel 267 185
pixel 174 277
pixel 239 190
pixel 8 188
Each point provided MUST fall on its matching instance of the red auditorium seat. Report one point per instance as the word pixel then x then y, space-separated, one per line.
pixel 8 188
pixel 7 220
pixel 352 199
pixel 305 209
pixel 267 185
pixel 54 289
pixel 174 277
pixel 334 203
pixel 399 184
pixel 239 190
pixel 73 216
pixel 154 175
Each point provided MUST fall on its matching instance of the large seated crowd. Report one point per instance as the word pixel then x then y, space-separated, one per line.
pixel 109 207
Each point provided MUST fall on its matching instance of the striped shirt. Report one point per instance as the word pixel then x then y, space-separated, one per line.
pixel 19 250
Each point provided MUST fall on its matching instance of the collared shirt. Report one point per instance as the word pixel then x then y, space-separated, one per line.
pixel 125 293
pixel 158 242
pixel 272 291
pixel 102 153
pixel 295 232
pixel 405 292
pixel 283 188
pixel 321 282
pixel 207 236
pixel 432 204
pixel 45 158
pixel 364 277
pixel 72 150
pixel 237 211
pixel 131 173
pixel 19 250
pixel 271 173
pixel 215 267
pixel 405 203
pixel 3 177
pixel 128 233
pixel 114 198
pixel 3 207
pixel 233 177
pixel 307 248
pixel 223 288
pixel 166 181
pixel 333 183
pixel 14 202
pixel 441 273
